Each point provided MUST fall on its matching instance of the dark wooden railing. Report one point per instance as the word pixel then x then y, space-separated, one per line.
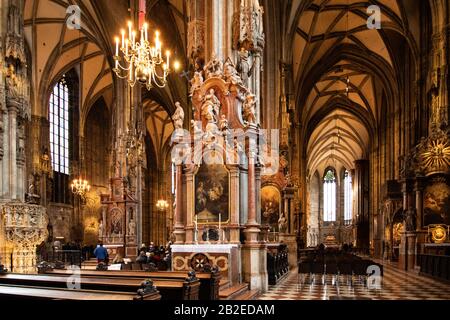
pixel 66 257
pixel 435 266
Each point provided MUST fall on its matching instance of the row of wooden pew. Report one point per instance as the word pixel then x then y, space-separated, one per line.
pixel 110 285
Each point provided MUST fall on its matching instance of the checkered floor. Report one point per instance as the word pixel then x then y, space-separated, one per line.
pixel 395 285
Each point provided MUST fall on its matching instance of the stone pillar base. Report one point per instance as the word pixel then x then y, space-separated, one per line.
pixel 180 234
pixel 291 241
pixel 254 266
pixel 252 234
pixel 408 251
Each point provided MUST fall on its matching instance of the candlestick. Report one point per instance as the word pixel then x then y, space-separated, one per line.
pixel 130 24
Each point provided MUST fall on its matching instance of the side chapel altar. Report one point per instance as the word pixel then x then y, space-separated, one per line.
pixel 217 179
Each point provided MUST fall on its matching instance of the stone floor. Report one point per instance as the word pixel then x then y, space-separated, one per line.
pixel 395 285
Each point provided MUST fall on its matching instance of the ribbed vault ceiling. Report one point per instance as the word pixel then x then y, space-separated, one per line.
pixel 338 135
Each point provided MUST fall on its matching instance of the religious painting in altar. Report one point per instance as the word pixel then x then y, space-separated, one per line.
pixel 116 226
pixel 270 207
pixel 212 194
pixel 436 204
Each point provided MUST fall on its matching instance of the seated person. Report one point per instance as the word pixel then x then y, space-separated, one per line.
pixel 142 257
pixel 118 259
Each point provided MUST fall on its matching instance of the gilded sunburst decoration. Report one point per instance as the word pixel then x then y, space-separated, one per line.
pixel 433 154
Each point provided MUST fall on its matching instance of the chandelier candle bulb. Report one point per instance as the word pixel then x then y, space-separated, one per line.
pixel 168 58
pixel 123 38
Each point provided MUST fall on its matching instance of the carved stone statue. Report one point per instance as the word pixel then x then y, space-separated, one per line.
pixel 196 82
pixel 223 125
pixel 231 75
pixel 195 128
pixel 282 224
pixel 178 116
pixel 244 67
pixel 131 228
pixel 211 107
pixel 101 229
pixel 12 83
pixel 249 109
pixel 410 220
pixel 31 184
pixel 214 68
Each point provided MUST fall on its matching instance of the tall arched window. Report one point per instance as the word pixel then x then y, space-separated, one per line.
pixel 348 198
pixel 329 196
pixel 59 127
pixel 59 114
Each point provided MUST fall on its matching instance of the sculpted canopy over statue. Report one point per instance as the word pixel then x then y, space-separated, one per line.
pixel 178 116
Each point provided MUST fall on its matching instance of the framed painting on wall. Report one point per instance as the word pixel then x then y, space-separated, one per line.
pixel 212 194
pixel 436 204
pixel 270 207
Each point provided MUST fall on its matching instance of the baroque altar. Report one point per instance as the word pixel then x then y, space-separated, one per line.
pixel 218 180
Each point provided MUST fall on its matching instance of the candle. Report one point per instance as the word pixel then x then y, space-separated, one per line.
pixel 129 28
pixel 133 39
pixel 126 47
pixel 146 31
pixel 168 58
pixel 123 38
pixel 117 46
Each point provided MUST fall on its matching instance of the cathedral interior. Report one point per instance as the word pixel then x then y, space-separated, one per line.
pixel 228 148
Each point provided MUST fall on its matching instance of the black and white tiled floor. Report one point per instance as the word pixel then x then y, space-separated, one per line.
pixel 395 285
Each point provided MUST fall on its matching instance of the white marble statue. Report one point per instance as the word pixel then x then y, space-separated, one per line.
pixel 178 116
pixel 223 124
pixel 101 229
pixel 231 75
pixel 211 106
pixel 196 82
pixel 214 68
pixel 131 228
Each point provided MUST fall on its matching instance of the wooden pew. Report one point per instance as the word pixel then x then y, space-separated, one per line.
pixel 178 289
pixel 9 292
pixel 209 281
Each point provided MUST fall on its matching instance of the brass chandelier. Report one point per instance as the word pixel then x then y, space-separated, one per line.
pixel 138 60
pixel 80 187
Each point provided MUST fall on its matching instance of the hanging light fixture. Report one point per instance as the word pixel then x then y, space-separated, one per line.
pixel 80 187
pixel 138 60
pixel 162 205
